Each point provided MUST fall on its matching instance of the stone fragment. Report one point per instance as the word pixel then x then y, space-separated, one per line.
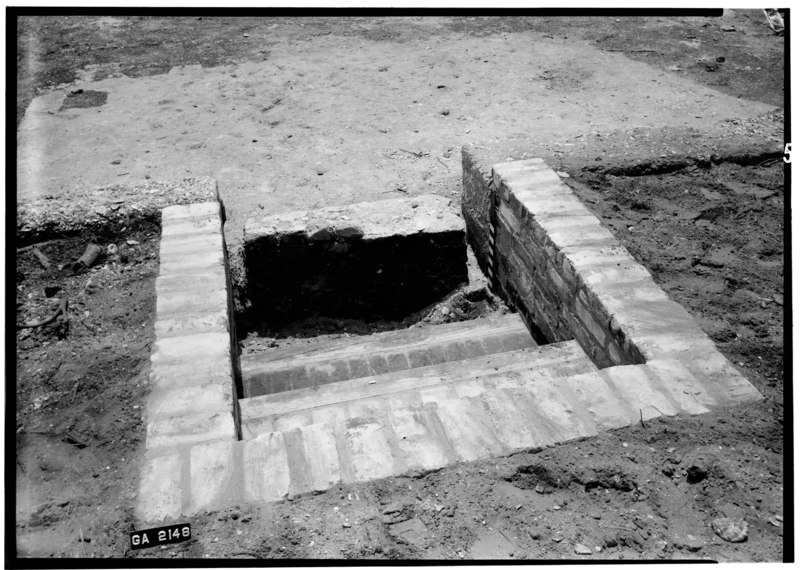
pixel 688 542
pixel 732 530
pixel 582 549
pixel 410 531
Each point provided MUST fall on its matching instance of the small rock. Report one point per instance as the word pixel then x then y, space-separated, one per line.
pixel 539 489
pixel 445 112
pixel 696 473
pixel 50 291
pixel 688 542
pixel 534 534
pixel 582 549
pixel 699 463
pixel 557 538
pixel 132 242
pixel 774 521
pixel 610 541
pixel 732 530
pixel 562 174
pixel 673 68
pixel 346 525
pixel 728 28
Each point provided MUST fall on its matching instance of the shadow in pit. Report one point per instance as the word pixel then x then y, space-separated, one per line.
pixel 297 286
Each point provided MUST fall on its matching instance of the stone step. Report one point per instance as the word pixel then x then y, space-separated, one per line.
pixel 352 436
pixel 306 405
pixel 393 351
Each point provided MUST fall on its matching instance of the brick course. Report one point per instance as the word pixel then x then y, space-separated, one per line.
pixel 568 275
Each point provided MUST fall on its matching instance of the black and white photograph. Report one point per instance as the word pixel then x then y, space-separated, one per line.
pixel 397 286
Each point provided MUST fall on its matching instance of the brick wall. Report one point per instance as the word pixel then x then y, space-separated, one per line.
pixel 529 242
pixel 370 260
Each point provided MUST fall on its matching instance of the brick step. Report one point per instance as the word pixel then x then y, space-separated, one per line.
pixel 490 414
pixel 393 351
pixel 487 415
pixel 297 407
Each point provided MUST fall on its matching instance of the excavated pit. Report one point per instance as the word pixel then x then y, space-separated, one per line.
pixel 319 277
pixel 362 268
pixel 292 277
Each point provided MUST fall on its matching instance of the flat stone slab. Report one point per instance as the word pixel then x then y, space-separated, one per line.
pixel 364 220
pixel 41 216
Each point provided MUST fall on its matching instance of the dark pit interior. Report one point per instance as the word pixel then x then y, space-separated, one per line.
pixel 340 281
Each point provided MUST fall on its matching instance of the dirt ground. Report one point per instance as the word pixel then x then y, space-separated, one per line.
pixel 291 113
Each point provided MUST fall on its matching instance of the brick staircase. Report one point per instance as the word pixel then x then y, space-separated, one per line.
pixel 357 357
pixel 621 352
pixel 443 394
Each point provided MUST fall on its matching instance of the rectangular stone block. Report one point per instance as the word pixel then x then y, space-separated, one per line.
pixel 601 401
pixel 187 324
pixel 564 205
pixel 464 422
pixel 368 439
pixel 634 385
pixel 202 260
pixel 715 373
pixel 563 291
pixel 610 275
pixel 190 430
pixel 319 445
pixel 191 302
pixel 196 373
pixel 690 396
pixel 189 400
pixel 266 468
pixel 420 435
pixel 194 226
pixel 525 179
pixel 591 323
pixel 212 471
pixel 668 342
pixel 560 408
pixel 185 245
pixel 198 209
pixel 160 497
pixel 198 282
pixel 513 419
pixel 529 189
pixel 579 232
pixel 521 169
pixel 205 347
pixel 510 222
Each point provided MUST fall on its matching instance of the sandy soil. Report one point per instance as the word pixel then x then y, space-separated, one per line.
pixel 298 113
